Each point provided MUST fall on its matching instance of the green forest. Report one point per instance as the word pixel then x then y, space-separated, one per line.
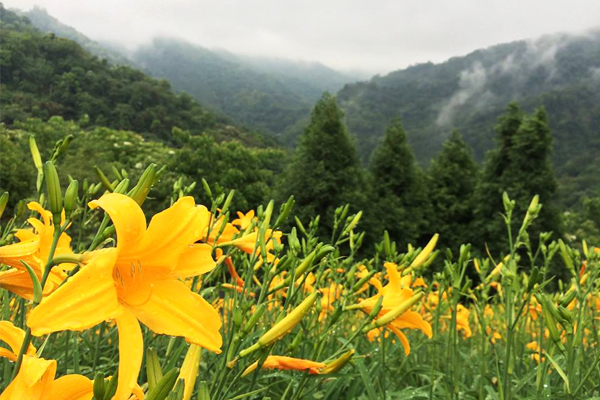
pixel 52 88
pixel 179 222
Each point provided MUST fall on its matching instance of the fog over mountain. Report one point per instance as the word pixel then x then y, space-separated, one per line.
pixel 342 34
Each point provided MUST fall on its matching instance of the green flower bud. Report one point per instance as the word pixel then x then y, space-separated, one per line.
pixel 103 179
pixel 147 180
pixel 111 388
pixel 285 210
pixel 203 393
pixel 54 192
pixel 164 386
pixel 35 153
pixel 71 197
pixel 99 386
pixel 258 312
pixel 153 370
pixel 207 188
pixel 3 202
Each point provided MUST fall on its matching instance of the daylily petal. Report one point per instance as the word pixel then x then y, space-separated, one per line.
pixel 71 387
pixel 413 320
pixel 34 378
pixel 46 215
pixel 12 254
pixel 393 275
pixel 6 353
pixel 131 352
pixel 126 215
pixel 25 234
pixel 195 261
pixel 86 299
pixel 173 309
pixel 403 339
pixel 18 282
pixel 169 234
pixel 38 225
pixel 13 337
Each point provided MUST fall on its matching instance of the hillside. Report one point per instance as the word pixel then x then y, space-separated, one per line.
pixel 267 94
pixel 45 22
pixel 270 94
pixel 43 75
pixel 560 72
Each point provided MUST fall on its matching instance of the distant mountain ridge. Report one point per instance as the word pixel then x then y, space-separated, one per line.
pixel 44 75
pixel 45 22
pixel 264 93
pixel 269 94
pixel 560 72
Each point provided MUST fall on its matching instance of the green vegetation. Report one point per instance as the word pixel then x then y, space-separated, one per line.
pixel 44 76
pixel 325 171
pixel 453 176
pixel 520 165
pixel 139 120
pixel 398 197
pixel 469 93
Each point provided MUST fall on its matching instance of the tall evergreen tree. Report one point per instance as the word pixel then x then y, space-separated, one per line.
pixel 453 176
pixel 325 171
pixel 520 165
pixel 399 202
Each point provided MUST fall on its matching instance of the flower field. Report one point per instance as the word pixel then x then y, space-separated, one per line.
pixel 200 301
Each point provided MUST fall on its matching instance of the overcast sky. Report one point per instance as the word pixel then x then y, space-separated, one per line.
pixel 375 36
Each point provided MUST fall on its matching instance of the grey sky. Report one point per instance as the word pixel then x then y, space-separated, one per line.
pixel 374 36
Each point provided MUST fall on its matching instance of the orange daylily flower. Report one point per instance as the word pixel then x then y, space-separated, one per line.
pixel 33 248
pixel 289 363
pixel 139 280
pixel 35 380
pixel 248 243
pixel 394 294
pixel 244 220
pixel 462 320
pixel 330 295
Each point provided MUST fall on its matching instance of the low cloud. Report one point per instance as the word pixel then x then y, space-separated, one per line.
pixel 471 83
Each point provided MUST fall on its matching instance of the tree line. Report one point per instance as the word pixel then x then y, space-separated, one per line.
pixel 454 196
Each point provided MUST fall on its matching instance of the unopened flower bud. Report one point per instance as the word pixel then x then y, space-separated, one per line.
pixel 54 192
pixel 339 363
pixel 35 153
pixel 3 202
pixel 71 197
pixel 147 180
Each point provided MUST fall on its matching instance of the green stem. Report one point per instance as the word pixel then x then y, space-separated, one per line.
pixel 27 340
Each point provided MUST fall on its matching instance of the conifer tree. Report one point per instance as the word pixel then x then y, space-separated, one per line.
pixel 453 176
pixel 325 170
pixel 520 165
pixel 399 201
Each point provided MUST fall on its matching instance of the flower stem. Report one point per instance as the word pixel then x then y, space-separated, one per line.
pixel 27 340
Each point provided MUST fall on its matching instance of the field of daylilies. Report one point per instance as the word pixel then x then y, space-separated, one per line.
pixel 205 302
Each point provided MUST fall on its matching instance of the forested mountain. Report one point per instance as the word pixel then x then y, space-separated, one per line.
pixel 119 120
pixel 560 72
pixel 43 75
pixel 45 22
pixel 267 94
pixel 270 94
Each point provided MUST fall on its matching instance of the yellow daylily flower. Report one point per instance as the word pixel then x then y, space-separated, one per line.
pixel 139 280
pixel 330 295
pixel 248 243
pixel 33 248
pixel 35 380
pixel 394 294
pixel 244 220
